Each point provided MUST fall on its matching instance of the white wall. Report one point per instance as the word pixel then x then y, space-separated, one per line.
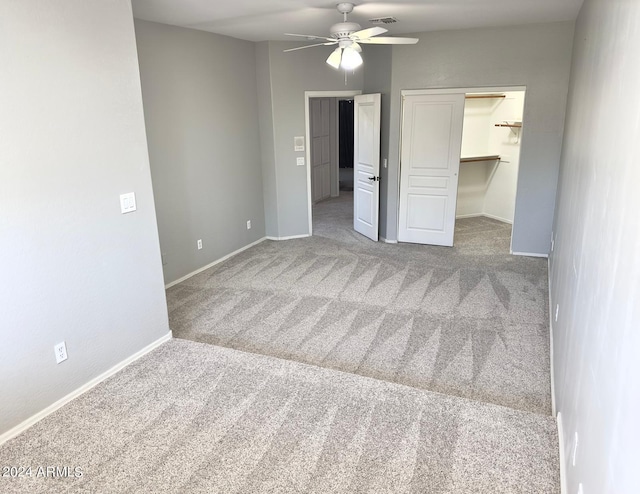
pixel 536 56
pixel 595 266
pixel 201 113
pixel 73 139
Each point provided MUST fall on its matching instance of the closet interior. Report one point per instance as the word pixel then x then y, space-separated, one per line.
pixel 491 135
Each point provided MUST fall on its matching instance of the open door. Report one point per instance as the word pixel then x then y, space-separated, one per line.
pixel 366 164
pixel 429 164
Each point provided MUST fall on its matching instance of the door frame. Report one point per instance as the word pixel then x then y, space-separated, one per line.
pixel 307 148
pixel 455 90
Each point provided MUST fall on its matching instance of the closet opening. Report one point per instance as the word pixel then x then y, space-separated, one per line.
pixel 488 174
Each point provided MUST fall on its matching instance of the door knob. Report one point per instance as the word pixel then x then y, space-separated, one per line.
pixel 374 179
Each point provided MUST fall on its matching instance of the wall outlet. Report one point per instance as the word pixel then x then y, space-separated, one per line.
pixel 553 242
pixel 61 352
pixel 248 224
pixel 164 258
pixel 200 244
pixel 557 310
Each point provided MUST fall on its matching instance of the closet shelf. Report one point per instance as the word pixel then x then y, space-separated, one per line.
pixel 472 159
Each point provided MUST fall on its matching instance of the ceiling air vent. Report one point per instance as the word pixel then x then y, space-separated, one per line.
pixel 383 20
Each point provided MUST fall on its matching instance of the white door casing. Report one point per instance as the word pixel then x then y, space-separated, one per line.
pixel 429 164
pixel 366 164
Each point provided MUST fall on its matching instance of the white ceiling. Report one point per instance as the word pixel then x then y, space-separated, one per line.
pixel 259 20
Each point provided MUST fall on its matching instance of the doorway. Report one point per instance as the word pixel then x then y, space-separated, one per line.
pixel 324 184
pixel 459 166
pixel 331 143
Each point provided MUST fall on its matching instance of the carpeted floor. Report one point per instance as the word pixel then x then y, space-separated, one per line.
pixel 469 321
pixel 191 417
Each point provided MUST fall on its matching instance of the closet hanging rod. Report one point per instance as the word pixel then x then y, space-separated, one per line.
pixel 484 96
pixel 513 125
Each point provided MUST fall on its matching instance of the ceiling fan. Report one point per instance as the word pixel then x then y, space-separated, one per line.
pixel 349 36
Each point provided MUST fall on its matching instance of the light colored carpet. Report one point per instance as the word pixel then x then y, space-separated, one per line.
pixel 470 321
pixel 191 418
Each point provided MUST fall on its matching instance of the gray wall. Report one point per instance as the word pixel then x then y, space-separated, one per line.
pixel 535 56
pixel 289 76
pixel 267 139
pixel 595 265
pixel 73 267
pixel 377 79
pixel 201 113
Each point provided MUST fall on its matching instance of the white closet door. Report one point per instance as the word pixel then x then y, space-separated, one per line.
pixel 429 164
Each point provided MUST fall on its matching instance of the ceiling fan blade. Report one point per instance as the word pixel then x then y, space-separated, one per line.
pixel 335 58
pixel 368 33
pixel 310 36
pixel 389 41
pixel 309 46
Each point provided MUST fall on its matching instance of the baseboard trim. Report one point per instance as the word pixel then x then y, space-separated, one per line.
pixel 291 237
pixel 561 454
pixel 217 261
pixel 556 414
pixel 470 215
pixel 387 241
pixel 485 215
pixel 497 218
pixel 551 367
pixel 21 427
pixel 531 254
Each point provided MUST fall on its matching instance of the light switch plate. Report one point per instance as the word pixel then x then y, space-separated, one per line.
pixel 127 202
pixel 300 161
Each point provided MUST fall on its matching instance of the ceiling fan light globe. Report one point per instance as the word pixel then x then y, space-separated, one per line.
pixel 335 58
pixel 351 59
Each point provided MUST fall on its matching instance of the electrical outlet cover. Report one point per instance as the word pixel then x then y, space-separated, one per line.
pixel 61 352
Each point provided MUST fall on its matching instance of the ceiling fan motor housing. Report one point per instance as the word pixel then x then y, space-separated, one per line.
pixel 344 29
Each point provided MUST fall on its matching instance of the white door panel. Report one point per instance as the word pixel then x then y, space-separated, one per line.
pixel 366 148
pixel 429 164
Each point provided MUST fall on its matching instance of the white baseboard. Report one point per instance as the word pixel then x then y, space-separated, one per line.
pixel 498 218
pixel 556 414
pixel 485 215
pixel 21 427
pixel 387 241
pixel 551 368
pixel 291 237
pixel 217 261
pixel 530 254
pixel 562 455
pixel 471 215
